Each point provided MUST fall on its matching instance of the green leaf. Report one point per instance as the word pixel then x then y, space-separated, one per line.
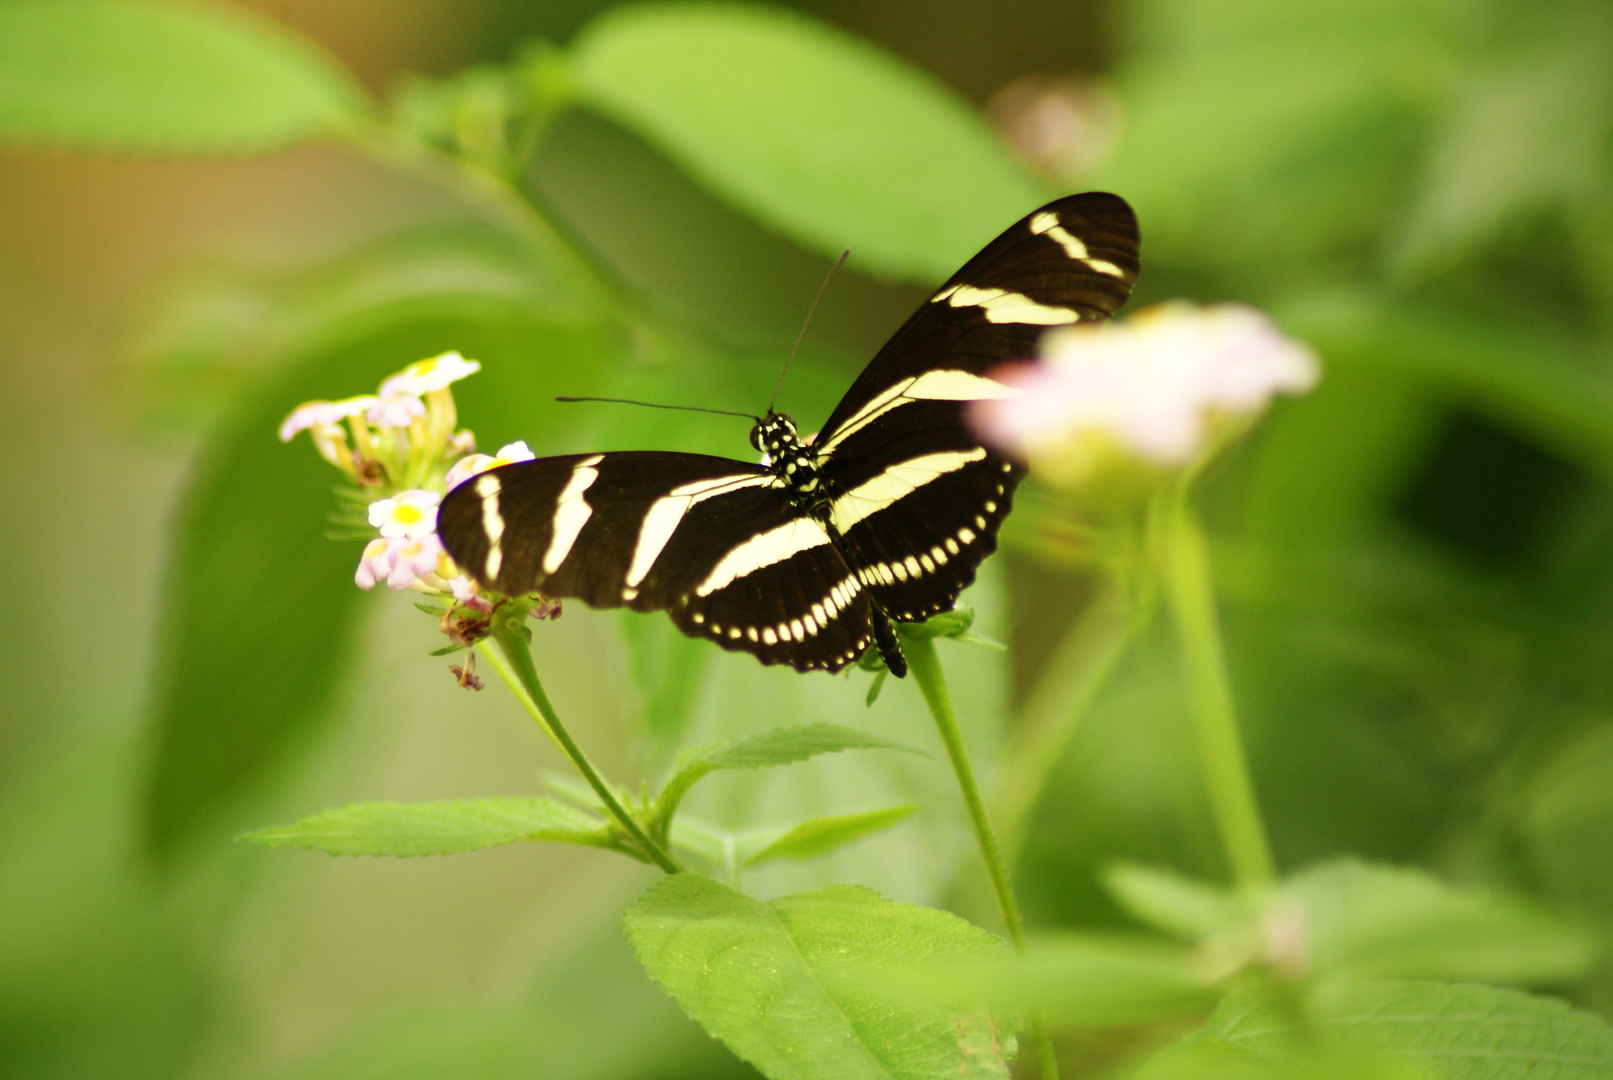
pixel 1182 906
pixel 1074 980
pixel 1208 1060
pixel 947 624
pixel 1391 921
pixel 435 828
pixel 1463 1032
pixel 164 79
pixel 820 135
pixel 259 605
pixel 877 685
pixel 780 746
pixel 786 984
pixel 787 745
pixel 810 839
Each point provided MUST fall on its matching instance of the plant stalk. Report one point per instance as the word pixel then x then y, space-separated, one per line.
pixel 519 656
pixel 1191 594
pixel 926 669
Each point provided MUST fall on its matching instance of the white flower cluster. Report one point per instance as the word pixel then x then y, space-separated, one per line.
pixel 404 446
pixel 1157 387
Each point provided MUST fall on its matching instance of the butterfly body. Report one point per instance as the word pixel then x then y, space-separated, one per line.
pixel 884 515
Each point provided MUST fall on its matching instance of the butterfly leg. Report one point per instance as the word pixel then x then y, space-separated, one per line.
pixel 890 649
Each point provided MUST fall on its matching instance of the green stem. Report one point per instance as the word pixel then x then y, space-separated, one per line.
pixel 926 669
pixel 1191 594
pixel 519 655
pixel 495 658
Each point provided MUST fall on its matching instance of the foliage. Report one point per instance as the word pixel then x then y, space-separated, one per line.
pixel 1412 562
pixel 802 963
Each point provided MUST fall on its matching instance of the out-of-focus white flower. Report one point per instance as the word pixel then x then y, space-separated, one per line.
pixel 395 410
pixel 424 376
pixel 462 442
pixel 323 414
pixel 1153 387
pixel 409 515
pixel 467 467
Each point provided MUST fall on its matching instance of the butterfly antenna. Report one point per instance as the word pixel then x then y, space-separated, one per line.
pixel 658 405
pixel 810 311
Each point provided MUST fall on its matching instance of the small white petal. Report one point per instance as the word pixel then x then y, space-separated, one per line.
pixel 515 451
pixel 424 376
pixel 375 564
pixel 323 414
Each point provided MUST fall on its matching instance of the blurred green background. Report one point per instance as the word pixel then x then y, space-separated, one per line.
pixel 1417 560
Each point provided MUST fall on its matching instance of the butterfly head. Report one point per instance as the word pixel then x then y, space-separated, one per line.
pixel 774 434
pixel 784 453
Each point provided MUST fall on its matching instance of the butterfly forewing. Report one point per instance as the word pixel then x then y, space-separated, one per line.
pixel 916 497
pixel 905 505
pixel 1074 260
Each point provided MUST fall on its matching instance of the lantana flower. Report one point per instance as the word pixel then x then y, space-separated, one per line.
pixel 1157 388
pixel 406 451
pixel 408 515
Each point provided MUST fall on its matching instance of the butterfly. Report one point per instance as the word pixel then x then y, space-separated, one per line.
pixel 808 557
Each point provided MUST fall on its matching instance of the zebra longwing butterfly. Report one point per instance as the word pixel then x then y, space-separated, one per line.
pixel 805 559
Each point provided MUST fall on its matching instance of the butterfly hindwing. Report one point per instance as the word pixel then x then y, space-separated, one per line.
pixel 716 543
